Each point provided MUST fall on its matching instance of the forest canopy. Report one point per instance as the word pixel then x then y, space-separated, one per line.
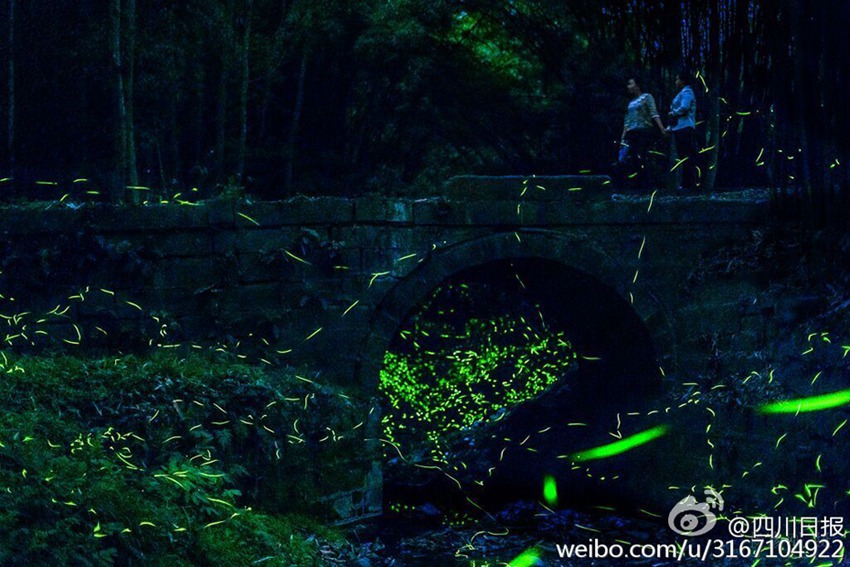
pixel 345 96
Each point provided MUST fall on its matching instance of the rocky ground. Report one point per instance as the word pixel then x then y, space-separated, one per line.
pixel 523 534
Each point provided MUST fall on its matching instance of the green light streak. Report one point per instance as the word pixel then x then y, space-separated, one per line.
pixel 550 490
pixel 623 445
pixel 802 405
pixel 527 558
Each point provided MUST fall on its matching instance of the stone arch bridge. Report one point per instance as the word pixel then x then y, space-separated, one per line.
pixel 328 280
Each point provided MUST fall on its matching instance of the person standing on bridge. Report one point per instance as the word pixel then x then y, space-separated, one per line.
pixel 683 111
pixel 641 116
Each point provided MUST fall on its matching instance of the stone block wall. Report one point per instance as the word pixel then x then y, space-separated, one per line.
pixel 324 282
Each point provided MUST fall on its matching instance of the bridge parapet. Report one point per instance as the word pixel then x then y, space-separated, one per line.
pixel 291 266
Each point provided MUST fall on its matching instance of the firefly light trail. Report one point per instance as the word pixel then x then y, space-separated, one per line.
pixel 621 446
pixel 803 405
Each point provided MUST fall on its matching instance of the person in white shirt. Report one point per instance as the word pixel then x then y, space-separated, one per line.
pixel 641 117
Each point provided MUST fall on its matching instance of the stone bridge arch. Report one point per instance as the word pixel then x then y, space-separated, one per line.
pixel 590 287
pixel 245 270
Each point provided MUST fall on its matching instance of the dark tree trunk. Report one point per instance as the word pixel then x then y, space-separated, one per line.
pixel 277 50
pixel 129 127
pixel 174 157
pixel 296 118
pixel 713 67
pixel 117 181
pixel 808 183
pixel 198 149
pixel 243 91
pixel 10 125
pixel 221 120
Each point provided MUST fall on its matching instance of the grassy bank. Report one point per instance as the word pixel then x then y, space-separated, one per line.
pixel 165 459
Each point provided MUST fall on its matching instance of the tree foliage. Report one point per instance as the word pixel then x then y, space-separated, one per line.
pixel 286 96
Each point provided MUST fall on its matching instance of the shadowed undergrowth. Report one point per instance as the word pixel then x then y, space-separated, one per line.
pixel 165 460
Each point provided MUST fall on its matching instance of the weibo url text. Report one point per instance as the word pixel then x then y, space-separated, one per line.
pixel 707 549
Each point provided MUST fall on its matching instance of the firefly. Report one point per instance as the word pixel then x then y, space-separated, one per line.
pixel 623 445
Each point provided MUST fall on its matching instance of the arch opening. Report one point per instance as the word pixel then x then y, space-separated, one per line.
pixel 494 355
